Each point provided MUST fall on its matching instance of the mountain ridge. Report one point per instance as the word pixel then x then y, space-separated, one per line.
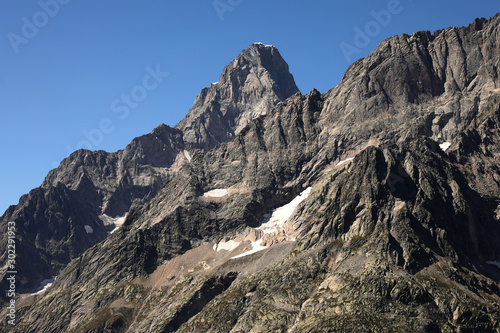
pixel 396 233
pixel 115 182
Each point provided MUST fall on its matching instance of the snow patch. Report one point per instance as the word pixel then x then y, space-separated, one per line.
pixel 345 161
pixel 218 193
pixel 187 155
pixel 228 246
pixel 44 285
pixel 445 145
pixel 256 247
pixel 276 220
pixel 259 43
pixel 495 263
pixel 88 229
pixel 116 221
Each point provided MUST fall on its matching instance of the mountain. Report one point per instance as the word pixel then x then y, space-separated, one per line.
pixel 249 87
pixel 91 192
pixel 373 207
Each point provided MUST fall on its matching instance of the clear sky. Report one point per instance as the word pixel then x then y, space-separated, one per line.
pixel 67 64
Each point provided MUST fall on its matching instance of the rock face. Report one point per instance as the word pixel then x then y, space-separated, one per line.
pixel 386 244
pixel 395 235
pixel 249 87
pixel 106 185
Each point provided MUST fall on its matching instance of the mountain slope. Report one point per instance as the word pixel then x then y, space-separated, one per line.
pixel 396 234
pixel 376 253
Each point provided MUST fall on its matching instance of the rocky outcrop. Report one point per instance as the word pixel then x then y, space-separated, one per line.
pixel 58 224
pixel 126 178
pixel 419 84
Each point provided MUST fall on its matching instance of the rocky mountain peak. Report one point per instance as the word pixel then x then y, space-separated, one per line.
pixel 265 63
pixel 250 86
pixel 372 207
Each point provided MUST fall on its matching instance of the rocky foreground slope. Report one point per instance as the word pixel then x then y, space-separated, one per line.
pixel 398 228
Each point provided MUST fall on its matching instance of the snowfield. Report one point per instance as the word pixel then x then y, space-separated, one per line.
pixel 280 215
pixel 445 145
pixel 345 161
pixel 187 155
pixel 259 43
pixel 116 221
pixel 256 247
pixel 275 221
pixel 228 246
pixel 44 285
pixel 218 193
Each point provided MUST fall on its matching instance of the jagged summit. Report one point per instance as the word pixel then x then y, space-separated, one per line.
pixel 250 86
pixel 260 43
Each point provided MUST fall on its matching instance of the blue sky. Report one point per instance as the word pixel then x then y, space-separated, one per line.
pixel 67 64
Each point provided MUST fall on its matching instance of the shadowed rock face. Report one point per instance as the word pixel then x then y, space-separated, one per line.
pixel 106 185
pixel 403 237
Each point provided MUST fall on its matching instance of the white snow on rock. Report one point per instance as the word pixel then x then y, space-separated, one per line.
pixel 256 247
pixel 495 263
pixel 345 161
pixel 116 221
pixel 445 145
pixel 228 246
pixel 259 43
pixel 276 220
pixel 187 155
pixel 88 229
pixel 218 193
pixel 44 285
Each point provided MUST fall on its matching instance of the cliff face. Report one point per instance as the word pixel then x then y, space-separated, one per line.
pixel 397 227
